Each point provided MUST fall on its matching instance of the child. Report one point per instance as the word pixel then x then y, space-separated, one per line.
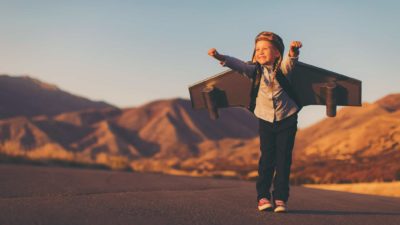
pixel 276 106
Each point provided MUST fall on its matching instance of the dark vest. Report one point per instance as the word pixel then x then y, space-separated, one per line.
pixel 283 82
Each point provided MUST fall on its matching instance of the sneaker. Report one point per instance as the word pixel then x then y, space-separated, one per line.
pixel 264 204
pixel 280 206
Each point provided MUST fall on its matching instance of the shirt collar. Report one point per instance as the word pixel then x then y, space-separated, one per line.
pixel 268 67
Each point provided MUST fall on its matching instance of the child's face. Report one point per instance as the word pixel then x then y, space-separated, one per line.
pixel 266 53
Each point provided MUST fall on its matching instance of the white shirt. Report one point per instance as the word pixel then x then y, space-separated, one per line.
pixel 272 102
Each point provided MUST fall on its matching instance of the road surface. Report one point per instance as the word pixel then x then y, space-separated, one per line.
pixel 52 195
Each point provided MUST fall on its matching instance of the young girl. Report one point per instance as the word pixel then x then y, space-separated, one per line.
pixel 276 106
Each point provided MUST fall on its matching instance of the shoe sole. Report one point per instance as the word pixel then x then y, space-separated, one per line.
pixel 280 210
pixel 265 208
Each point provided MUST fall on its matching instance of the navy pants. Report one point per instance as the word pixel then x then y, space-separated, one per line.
pixel 276 145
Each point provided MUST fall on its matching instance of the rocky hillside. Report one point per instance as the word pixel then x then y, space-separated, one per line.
pixel 26 96
pixel 159 130
pixel 168 136
pixel 360 144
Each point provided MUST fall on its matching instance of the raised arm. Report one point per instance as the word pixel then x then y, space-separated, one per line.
pixel 213 53
pixel 290 60
pixel 233 63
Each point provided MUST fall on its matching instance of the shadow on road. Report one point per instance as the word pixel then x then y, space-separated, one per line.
pixel 343 213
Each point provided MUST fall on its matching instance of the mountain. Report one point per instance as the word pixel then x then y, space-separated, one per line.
pixel 19 136
pixel 176 134
pixel 26 96
pixel 168 136
pixel 174 125
pixel 359 144
pixel 160 130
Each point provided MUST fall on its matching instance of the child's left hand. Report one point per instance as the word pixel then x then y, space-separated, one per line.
pixel 294 48
pixel 295 45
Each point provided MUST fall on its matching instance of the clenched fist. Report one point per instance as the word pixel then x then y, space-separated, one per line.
pixel 212 52
pixel 294 48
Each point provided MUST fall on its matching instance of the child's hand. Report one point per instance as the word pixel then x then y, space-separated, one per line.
pixel 212 52
pixel 295 45
pixel 294 48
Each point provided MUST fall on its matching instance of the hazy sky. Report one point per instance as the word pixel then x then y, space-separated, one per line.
pixel 131 52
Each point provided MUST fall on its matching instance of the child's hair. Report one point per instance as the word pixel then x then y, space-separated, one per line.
pixel 276 41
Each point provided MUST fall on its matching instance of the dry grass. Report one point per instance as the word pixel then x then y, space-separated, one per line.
pixel 391 189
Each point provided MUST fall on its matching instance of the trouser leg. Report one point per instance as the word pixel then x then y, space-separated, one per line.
pixel 266 164
pixel 285 142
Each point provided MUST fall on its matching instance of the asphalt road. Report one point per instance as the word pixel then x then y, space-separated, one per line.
pixel 49 195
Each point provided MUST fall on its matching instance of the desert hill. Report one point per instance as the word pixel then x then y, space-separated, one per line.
pixel 159 130
pixel 168 136
pixel 26 96
pixel 360 144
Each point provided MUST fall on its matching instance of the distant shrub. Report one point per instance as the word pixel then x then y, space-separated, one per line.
pixel 301 180
pixel 397 177
pixel 113 162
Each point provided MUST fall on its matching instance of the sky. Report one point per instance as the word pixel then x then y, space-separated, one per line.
pixel 131 52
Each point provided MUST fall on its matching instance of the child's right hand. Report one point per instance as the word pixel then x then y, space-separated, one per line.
pixel 212 52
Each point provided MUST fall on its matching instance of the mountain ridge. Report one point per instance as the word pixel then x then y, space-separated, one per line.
pixel 26 96
pixel 168 136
